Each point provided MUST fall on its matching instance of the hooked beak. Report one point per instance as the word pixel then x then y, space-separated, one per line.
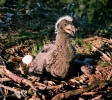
pixel 70 29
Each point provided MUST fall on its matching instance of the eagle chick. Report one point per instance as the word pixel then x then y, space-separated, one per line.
pixel 57 59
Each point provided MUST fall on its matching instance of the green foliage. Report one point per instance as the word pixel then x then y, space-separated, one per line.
pixel 91 9
pixel 67 1
pixel 81 42
pixel 102 63
pixel 36 49
pixel 14 40
pixel 2 2
pixel 104 32
pixel 26 35
pixel 39 16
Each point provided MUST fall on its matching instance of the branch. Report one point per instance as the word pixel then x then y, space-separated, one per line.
pixel 6 79
pixel 18 92
pixel 82 90
pixel 104 55
pixel 98 92
pixel 107 59
pixel 44 87
pixel 15 78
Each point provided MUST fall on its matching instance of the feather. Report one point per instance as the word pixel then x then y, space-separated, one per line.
pixel 66 17
pixel 56 58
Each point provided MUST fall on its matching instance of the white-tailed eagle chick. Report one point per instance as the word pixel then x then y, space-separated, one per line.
pixel 57 59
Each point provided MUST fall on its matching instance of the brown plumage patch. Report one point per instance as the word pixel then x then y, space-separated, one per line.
pixel 57 59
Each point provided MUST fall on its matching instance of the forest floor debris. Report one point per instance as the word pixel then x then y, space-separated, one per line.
pixel 17 83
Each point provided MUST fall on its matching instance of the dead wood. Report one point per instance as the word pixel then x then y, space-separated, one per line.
pixel 106 58
pixel 39 84
pixel 54 87
pixel 110 74
pixel 44 87
pixel 91 39
pixel 111 58
pixel 107 40
pixel 15 78
pixel 98 92
pixel 48 90
pixel 17 92
pixel 98 37
pixel 5 79
pixel 104 55
pixel 82 90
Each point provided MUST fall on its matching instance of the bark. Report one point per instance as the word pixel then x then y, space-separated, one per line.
pixel 14 77
pixel 82 90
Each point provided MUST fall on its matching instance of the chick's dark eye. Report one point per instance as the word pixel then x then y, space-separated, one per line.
pixel 65 24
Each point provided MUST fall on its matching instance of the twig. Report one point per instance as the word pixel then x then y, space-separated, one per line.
pixel 98 92
pixel 104 55
pixel 91 39
pixel 54 87
pixel 107 59
pixel 110 74
pixel 50 87
pixel 15 78
pixel 82 90
pixel 6 79
pixel 44 87
pixel 18 92
pixel 8 88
